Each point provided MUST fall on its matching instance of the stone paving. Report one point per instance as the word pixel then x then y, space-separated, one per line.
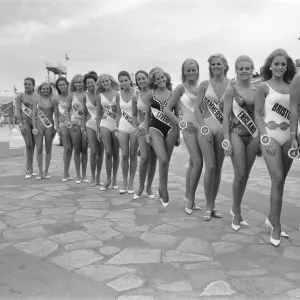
pixel 142 251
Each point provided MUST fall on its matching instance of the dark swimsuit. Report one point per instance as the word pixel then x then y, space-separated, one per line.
pixel 158 120
pixel 236 126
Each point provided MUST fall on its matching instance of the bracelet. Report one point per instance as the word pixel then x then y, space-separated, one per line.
pixel 265 140
pixel 293 153
pixel 69 125
pixel 225 144
pixel 204 130
pixel 183 124
pixel 35 131
pixel 147 138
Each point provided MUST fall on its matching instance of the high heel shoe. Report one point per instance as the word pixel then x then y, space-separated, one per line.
pixel 269 225
pixel 188 210
pixel 243 223
pixel 164 204
pixel 274 242
pixel 235 227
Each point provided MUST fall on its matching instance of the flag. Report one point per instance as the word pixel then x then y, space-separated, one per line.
pixel 67 57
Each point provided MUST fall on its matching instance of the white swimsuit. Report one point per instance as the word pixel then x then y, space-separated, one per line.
pixel 187 104
pixel 109 117
pixel 92 109
pixel 277 116
pixel 126 118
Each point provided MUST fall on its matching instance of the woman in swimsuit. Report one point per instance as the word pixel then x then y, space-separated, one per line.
pixel 74 121
pixel 24 104
pixel 240 133
pixel 43 126
pixel 107 88
pixel 273 95
pixel 62 89
pixel 90 108
pixel 125 131
pixel 185 95
pixel 210 134
pixel 160 131
pixel 147 166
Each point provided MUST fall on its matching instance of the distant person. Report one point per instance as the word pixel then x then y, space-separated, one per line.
pixel 107 88
pixel 89 124
pixel 148 159
pixel 273 95
pixel 211 96
pixel 43 126
pixel 241 138
pixel 62 85
pixel 74 122
pixel 185 96
pixel 24 106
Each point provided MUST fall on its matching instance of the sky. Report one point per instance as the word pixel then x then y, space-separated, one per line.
pixel 108 36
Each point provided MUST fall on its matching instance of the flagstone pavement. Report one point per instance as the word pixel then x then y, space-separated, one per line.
pixel 70 241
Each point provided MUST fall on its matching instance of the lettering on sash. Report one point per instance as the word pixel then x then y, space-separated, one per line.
pixel 77 110
pixel 214 110
pixel 44 119
pixel 62 110
pixel 27 111
pixel 243 116
pixel 161 117
pixel 109 113
pixel 127 117
pixel 281 110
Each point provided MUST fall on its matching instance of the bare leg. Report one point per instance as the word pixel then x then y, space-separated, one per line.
pixel 67 144
pixel 133 159
pixel 76 141
pixel 196 165
pixel 116 157
pixel 187 178
pixel 151 170
pixel 39 151
pixel 49 136
pixel 99 158
pixel 92 140
pixel 29 143
pixel 84 155
pixel 124 144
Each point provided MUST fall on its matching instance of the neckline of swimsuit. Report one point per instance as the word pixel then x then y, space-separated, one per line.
pixel 125 101
pixel 187 92
pixel 162 106
pixel 219 99
pixel 274 90
pixel 244 99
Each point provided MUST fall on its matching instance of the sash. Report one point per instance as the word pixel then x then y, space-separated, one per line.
pixel 91 112
pixel 244 118
pixel 77 110
pixel 27 111
pixel 214 110
pixel 127 117
pixel 161 117
pixel 44 119
pixel 61 109
pixel 109 113
pixel 281 110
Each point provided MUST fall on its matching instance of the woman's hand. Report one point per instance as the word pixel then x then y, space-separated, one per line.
pixel 139 132
pixel 294 143
pixel 206 133
pixel 99 137
pixel 148 139
pixel 226 145
pixel 22 129
pixel 191 128
pixel 83 131
pixel 117 132
pixel 266 142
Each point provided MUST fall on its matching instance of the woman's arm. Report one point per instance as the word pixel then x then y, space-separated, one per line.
pixel 34 113
pixel 19 108
pixel 85 112
pixel 227 112
pixel 56 113
pixel 68 108
pixel 119 112
pixel 134 112
pixel 199 103
pixel 99 113
pixel 260 97
pixel 173 105
pixel 294 109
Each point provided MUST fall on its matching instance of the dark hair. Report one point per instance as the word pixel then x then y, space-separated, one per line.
pixel 125 73
pixel 30 79
pixel 61 79
pixel 224 60
pixel 92 75
pixel 189 60
pixel 267 74
pixel 135 76
pixel 152 74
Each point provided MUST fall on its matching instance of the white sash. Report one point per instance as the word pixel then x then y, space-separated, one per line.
pixel 281 110
pixel 27 111
pixel 214 110
pixel 44 119
pixel 61 109
pixel 109 113
pixel 242 115
pixel 161 117
pixel 78 112
pixel 127 117
pixel 91 112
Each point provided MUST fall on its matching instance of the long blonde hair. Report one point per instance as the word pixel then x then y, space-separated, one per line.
pixel 100 89
pixel 72 87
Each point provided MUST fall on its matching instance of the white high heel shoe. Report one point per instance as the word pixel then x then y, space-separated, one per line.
pixel 243 223
pixel 269 225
